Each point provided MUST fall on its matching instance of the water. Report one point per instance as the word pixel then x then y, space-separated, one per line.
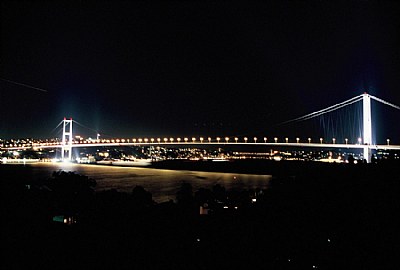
pixel 163 184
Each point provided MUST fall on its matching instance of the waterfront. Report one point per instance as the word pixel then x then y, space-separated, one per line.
pixel 163 184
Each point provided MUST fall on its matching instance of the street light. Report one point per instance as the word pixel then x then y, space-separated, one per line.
pixel 334 140
pixel 265 139
pixel 171 139
pixel 287 139
pixel 320 139
pixel 152 140
pixel 276 139
pixel 359 140
pixel 388 141
pixel 165 140
pixel 218 139
pixel 236 139
pixel 346 140
pixel 255 139
pixel 309 140
pixel 179 140
pixel 209 139
pixel 193 139
pixel 245 139
pixel 297 139
pixel 158 140
pixel 201 139
pixel 227 139
pixel 186 139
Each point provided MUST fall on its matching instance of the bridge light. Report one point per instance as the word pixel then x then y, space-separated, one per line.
pixel 171 139
pixel 346 140
pixel 320 139
pixel 245 139
pixel 218 139
pixel 334 140
pixel 265 139
pixel 297 139
pixel 158 140
pixel 359 140
pixel 193 139
pixel 152 140
pixel 287 139
pixel 165 139
pixel 236 139
pixel 255 139
pixel 388 141
pixel 178 139
pixel 140 140
pixel 123 140
pixel 186 139
pixel 201 139
pixel 134 140
pixel 227 139
pixel 146 140
pixel 276 139
pixel 209 139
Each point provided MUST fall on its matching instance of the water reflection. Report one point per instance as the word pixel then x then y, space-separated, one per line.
pixel 163 184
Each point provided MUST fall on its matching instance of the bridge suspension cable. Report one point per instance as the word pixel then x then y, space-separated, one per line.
pixel 97 131
pixel 326 110
pixel 385 102
pixel 59 124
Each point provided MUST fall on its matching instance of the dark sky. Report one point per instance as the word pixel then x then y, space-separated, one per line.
pixel 193 68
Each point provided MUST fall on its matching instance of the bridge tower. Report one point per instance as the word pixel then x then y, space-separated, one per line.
pixel 367 126
pixel 67 139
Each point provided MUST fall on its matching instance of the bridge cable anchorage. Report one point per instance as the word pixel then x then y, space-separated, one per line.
pixel 385 102
pixel 326 110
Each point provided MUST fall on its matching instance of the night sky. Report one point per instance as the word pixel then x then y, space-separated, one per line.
pixel 193 68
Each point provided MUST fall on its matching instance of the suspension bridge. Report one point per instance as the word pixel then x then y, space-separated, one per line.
pixel 365 142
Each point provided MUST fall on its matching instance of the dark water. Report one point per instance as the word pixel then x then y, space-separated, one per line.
pixel 163 184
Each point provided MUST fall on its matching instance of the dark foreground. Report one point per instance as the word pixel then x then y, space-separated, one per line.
pixel 313 216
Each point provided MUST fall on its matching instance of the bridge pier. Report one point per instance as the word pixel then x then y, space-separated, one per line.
pixel 367 126
pixel 66 147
